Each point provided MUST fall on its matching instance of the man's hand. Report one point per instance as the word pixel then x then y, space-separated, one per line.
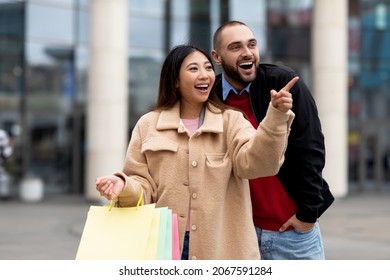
pixel 296 224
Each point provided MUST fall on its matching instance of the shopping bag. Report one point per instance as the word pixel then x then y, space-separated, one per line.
pixel 175 239
pixel 153 238
pixel 142 232
pixel 159 242
pixel 121 233
pixel 164 249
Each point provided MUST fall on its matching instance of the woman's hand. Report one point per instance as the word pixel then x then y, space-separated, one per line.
pixel 109 186
pixel 282 100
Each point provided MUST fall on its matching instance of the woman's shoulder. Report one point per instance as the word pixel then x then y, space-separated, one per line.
pixel 149 117
pixel 233 113
pixel 226 112
pixel 234 117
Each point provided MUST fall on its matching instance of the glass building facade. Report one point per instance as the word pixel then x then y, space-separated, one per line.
pixel 44 63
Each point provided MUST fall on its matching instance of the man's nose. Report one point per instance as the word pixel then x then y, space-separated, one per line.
pixel 247 51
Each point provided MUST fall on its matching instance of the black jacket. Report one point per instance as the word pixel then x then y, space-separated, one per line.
pixel 301 172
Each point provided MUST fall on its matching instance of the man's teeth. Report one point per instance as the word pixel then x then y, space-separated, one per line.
pixel 246 64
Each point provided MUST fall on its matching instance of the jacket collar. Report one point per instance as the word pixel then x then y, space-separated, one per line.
pixel 227 88
pixel 170 119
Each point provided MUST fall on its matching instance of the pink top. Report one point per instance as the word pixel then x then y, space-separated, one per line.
pixel 192 125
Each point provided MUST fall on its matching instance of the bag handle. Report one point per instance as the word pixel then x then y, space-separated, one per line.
pixel 139 203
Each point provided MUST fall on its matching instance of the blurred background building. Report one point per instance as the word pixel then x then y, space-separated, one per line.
pixel 45 55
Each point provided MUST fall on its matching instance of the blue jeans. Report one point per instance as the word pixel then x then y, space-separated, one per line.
pixel 186 245
pixel 291 245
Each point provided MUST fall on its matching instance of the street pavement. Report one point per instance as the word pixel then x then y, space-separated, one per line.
pixel 356 227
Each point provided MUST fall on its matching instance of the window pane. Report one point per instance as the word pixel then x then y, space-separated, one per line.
pixel 48 23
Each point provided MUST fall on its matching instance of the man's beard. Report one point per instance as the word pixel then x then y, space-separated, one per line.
pixel 233 73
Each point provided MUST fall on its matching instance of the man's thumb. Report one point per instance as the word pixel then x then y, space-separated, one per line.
pixel 283 227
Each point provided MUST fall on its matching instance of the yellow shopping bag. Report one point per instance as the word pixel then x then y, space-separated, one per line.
pixel 131 233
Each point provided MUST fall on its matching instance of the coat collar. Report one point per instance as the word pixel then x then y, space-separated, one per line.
pixel 170 119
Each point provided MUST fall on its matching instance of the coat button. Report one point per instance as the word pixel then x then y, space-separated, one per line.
pixel 193 258
pixel 193 227
pixel 194 163
pixel 194 195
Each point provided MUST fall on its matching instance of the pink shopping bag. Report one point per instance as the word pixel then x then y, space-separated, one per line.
pixel 175 239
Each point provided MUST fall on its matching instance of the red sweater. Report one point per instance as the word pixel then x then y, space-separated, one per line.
pixel 271 205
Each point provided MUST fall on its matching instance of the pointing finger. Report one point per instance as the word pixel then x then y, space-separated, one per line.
pixel 291 83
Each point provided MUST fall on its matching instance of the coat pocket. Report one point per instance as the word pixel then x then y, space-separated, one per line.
pixel 218 172
pixel 155 144
pixel 216 159
pixel 163 160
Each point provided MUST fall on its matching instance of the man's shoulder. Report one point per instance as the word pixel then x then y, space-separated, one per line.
pixel 273 70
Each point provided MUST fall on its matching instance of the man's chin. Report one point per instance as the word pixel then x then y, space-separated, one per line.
pixel 247 78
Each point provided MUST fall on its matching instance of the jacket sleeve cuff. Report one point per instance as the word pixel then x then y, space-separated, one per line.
pixel 131 192
pixel 275 120
pixel 307 217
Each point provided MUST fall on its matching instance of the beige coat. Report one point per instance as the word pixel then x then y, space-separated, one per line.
pixel 203 174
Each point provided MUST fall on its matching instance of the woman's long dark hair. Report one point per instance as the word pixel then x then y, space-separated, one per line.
pixel 168 92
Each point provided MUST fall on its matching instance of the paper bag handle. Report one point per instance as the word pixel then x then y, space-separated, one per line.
pixel 139 203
